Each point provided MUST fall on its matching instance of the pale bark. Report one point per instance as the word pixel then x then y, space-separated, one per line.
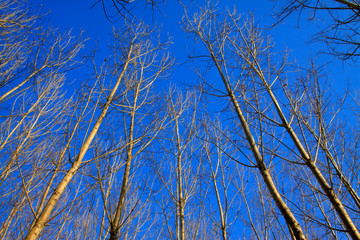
pixel 284 209
pixel 36 230
pixel 115 224
pixel 249 55
pixel 138 86
pixel 214 173
pixel 9 92
pixel 351 5
pixel 323 144
pixel 180 203
pixel 329 191
pixel 198 29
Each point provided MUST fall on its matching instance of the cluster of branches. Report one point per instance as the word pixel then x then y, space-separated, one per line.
pixel 339 30
pixel 277 116
pixel 119 9
pixel 120 159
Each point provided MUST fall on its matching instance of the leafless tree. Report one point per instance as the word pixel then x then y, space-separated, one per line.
pixel 131 54
pixel 34 110
pixel 258 143
pixel 251 79
pixel 219 169
pixel 178 171
pixel 137 110
pixel 214 36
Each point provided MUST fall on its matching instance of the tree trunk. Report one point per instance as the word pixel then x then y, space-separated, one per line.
pixel 284 209
pixel 36 230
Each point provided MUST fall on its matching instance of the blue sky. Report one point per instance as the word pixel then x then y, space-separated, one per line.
pixel 77 16
pixel 290 35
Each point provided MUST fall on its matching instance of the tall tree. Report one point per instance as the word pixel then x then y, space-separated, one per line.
pixel 215 35
pixel 139 112
pixel 243 59
pixel 34 109
pixel 178 170
pixel 132 54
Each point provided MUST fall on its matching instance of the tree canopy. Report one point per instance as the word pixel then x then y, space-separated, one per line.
pixel 206 128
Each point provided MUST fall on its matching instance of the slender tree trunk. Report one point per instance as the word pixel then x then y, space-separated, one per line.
pixel 36 230
pixel 217 192
pixel 329 191
pixel 180 216
pixel 8 93
pixel 221 211
pixel 115 224
pixel 180 202
pixel 344 180
pixel 284 209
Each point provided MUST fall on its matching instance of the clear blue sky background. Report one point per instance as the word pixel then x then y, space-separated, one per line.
pixel 77 15
pixel 289 35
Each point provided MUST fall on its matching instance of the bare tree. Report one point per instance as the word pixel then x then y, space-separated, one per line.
pixel 118 160
pixel 138 110
pixel 35 65
pixel 219 168
pixel 214 36
pixel 130 54
pixel 244 61
pixel 34 110
pixel 178 170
